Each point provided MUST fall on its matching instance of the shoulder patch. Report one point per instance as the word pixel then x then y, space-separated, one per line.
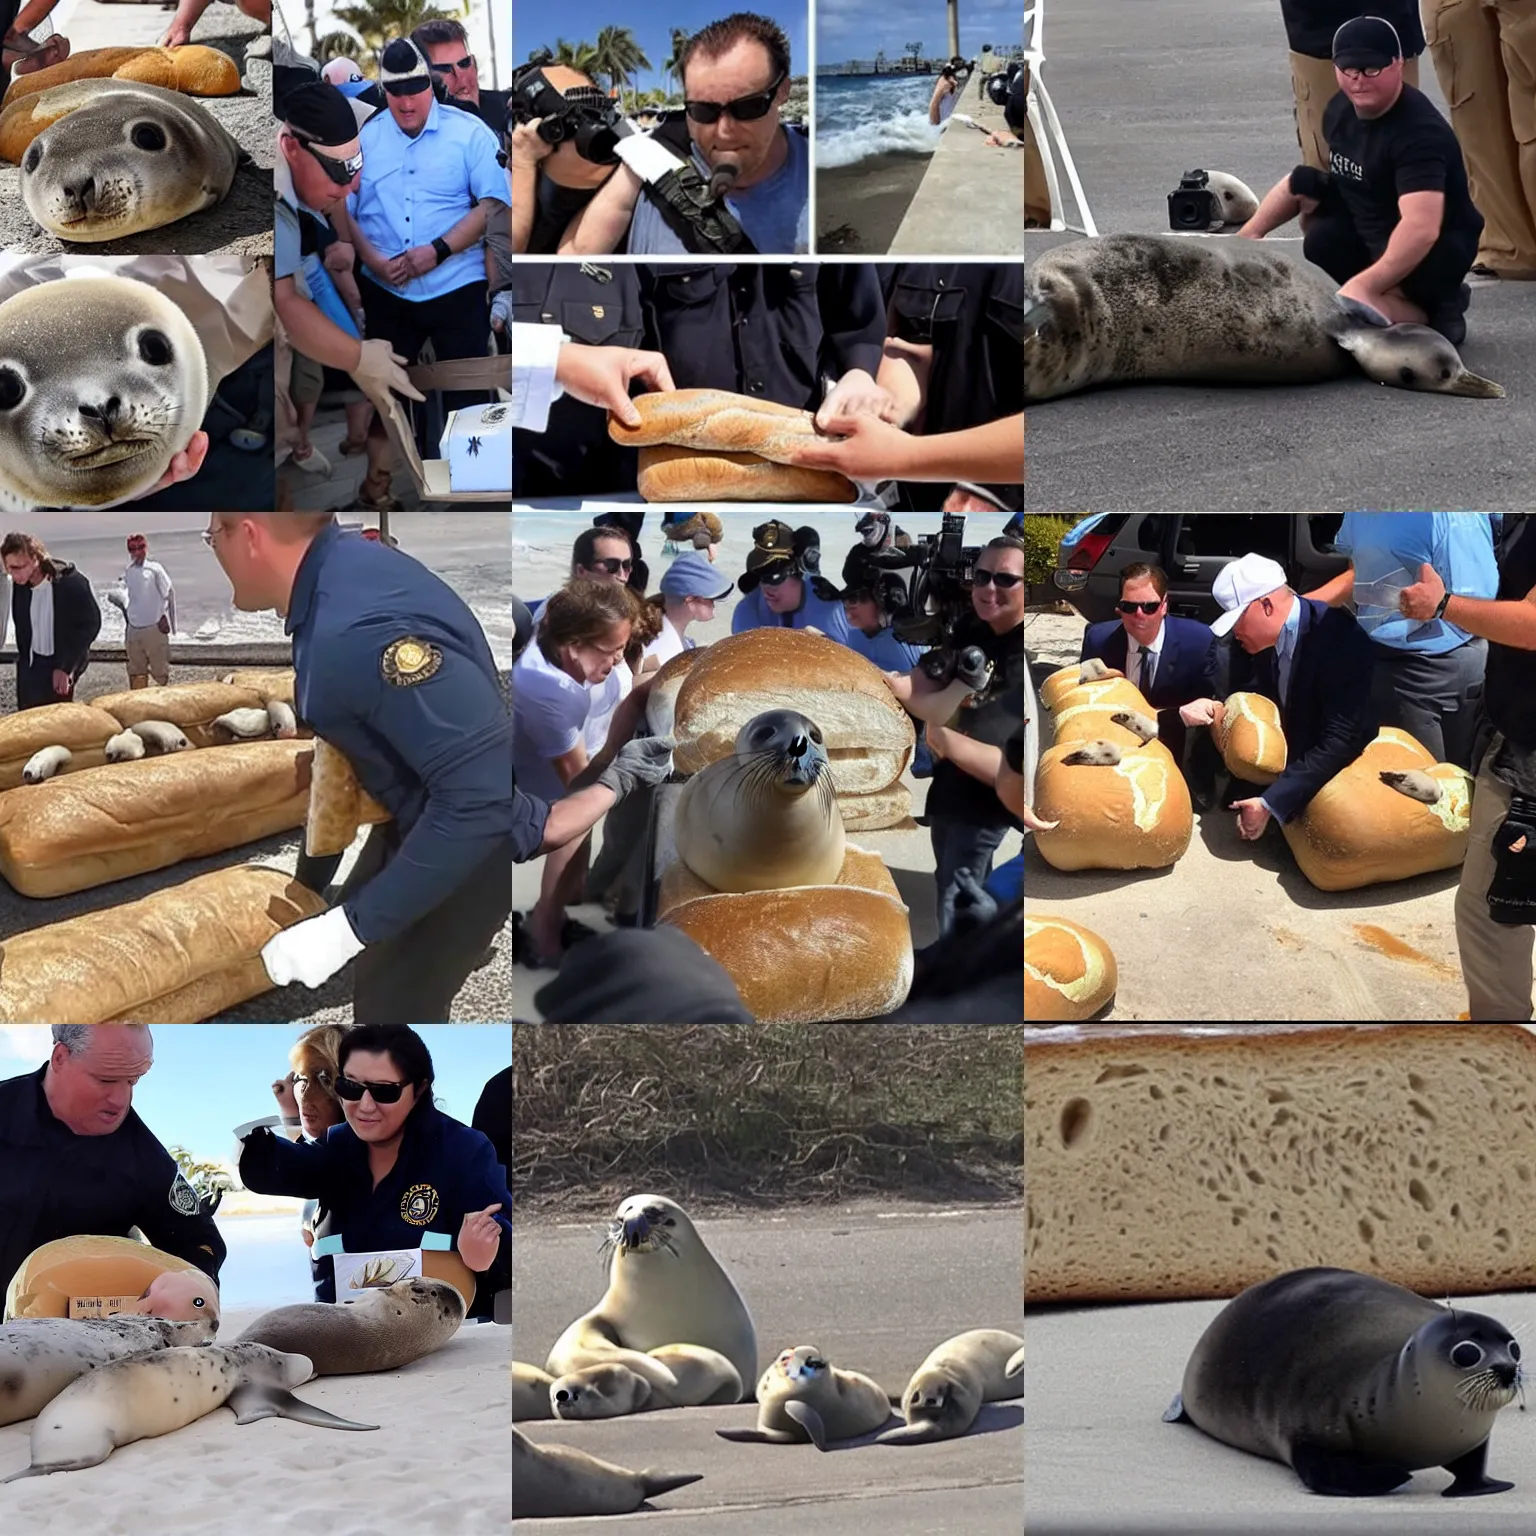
pixel 182 1197
pixel 410 661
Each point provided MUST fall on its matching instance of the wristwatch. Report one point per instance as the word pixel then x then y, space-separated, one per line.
pixel 441 247
pixel 1440 606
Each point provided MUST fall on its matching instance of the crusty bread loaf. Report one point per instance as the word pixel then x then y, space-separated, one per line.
pixel 876 808
pixel 192 706
pixel 1069 971
pixel 21 122
pixel 1085 713
pixel 79 727
pixel 270 684
pixel 338 804
pixel 867 734
pixel 715 421
pixel 1250 739
pixel 670 474
pixel 1134 814
pixel 1064 679
pixel 1358 831
pixel 1173 1165
pixel 175 957
pixel 661 701
pixel 84 829
pixel 193 69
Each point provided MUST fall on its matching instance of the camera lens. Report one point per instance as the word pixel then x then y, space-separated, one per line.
pixel 596 142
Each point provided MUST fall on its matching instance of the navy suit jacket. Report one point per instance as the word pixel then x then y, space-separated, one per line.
pixel 1328 719
pixel 1187 669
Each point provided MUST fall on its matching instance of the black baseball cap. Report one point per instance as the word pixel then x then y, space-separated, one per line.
pixel 320 114
pixel 1367 42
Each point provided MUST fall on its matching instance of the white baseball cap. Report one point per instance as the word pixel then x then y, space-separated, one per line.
pixel 1242 581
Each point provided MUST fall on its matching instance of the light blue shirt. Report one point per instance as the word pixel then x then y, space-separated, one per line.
pixel 824 614
pixel 416 189
pixel 776 213
pixel 1459 545
pixel 1285 650
pixel 884 650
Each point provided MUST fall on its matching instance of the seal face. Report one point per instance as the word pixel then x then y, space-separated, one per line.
pixel 1353 1382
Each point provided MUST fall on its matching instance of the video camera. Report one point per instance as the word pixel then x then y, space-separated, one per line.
pixel 1193 205
pixel 582 116
pixel 997 86
pixel 958 69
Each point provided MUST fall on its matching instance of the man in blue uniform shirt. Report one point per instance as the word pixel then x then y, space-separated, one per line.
pixel 781 586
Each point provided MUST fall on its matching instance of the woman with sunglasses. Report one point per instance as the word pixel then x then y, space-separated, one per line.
pixel 397 1169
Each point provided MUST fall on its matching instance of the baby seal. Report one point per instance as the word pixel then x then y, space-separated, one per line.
pixel 1414 783
pixel 1352 1381
pixel 1136 723
pixel 119 157
pixel 949 1387
pixel 125 747
pixel 43 765
pixel 1093 671
pixel 767 816
pixel 1094 754
pixel 675 1376
pixel 552 1480
pixel 245 724
pixel 102 382
pixel 801 1397
pixel 161 735
pixel 530 1392
pixel 284 723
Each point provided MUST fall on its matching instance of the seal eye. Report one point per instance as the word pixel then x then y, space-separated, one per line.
pixel 1514 1351
pixel 34 157
pixel 1406 375
pixel 13 389
pixel 148 136
pixel 1466 1355
pixel 155 349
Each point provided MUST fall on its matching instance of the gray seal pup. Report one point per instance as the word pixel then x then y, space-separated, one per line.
pixel 553 1480
pixel 802 1397
pixel 947 1390
pixel 664 1287
pixel 284 723
pixel 43 765
pixel 102 382
pixel 1414 783
pixel 380 1331
pixel 148 1395
pixel 530 1392
pixel 40 1356
pixel 1094 754
pixel 119 157
pixel 766 817
pixel 676 1376
pixel 164 737
pixel 1123 309
pixel 1136 723
pixel 1239 202
pixel 1352 1381
pixel 1094 670
pixel 245 724
pixel 125 747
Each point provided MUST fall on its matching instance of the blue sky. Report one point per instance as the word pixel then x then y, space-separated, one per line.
pixel 209 1078
pixel 857 29
pixel 539 23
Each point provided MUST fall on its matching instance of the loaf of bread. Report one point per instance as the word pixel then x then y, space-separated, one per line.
pixel 192 69
pixel 670 474
pixel 85 829
pixel 192 706
pixel 1086 712
pixel 1166 1165
pixel 715 421
pixel 876 809
pixel 1250 740
pixel 176 957
pixel 661 701
pixel 270 684
pixel 21 122
pixel 868 736
pixel 76 726
pixel 1132 814
pixel 1069 971
pixel 1359 831
pixel 338 804
pixel 1064 679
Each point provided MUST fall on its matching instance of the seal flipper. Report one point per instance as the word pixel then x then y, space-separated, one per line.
pixel 1336 1472
pixel 1471 1479
pixel 664 1482
pixel 1174 1413
pixel 1364 313
pixel 251 1402
pixel 759 1436
pixel 808 1420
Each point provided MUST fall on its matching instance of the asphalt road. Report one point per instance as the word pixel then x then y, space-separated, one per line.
pixel 876 1286
pixel 1206 83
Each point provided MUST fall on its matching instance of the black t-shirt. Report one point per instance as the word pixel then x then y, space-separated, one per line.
pixel 1509 682
pixel 557 206
pixel 954 795
pixel 1310 24
pixel 1410 148
pixel 492 111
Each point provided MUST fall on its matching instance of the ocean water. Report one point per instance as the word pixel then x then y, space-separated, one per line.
pixel 268 1264
pixel 858 118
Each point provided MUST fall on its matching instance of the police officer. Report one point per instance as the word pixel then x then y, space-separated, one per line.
pixel 782 588
pixel 398 1169
pixel 76 1159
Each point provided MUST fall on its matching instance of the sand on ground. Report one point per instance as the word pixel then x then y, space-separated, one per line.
pixel 860 207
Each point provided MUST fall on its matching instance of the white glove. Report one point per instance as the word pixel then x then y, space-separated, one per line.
pixel 380 367
pixel 313 951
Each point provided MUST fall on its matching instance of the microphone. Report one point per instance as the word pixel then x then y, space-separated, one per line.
pixel 723 179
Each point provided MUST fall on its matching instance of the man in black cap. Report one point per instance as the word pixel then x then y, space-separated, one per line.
pixel 1392 218
pixel 782 586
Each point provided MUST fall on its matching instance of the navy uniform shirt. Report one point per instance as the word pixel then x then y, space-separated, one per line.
pixel 444 1171
pixel 395 672
pixel 56 1184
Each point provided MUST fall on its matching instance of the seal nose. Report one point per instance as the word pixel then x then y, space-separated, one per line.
pixel 81 193
pixel 106 413
pixel 562 1396
pixel 1505 1373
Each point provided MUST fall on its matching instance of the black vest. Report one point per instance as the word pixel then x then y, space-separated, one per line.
pixel 1509 689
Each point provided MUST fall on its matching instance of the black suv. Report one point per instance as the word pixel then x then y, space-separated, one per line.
pixel 1192 547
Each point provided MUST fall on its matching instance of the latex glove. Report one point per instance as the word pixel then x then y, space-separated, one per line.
pixel 646 761
pixel 313 951
pixel 479 1238
pixel 381 367
pixel 501 310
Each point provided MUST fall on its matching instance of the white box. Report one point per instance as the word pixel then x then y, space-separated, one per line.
pixel 477 443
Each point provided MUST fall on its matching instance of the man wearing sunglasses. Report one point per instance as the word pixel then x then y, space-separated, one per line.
pixel 445 45
pixel 781 586
pixel 735 75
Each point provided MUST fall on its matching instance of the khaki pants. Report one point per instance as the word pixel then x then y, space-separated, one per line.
pixel 149 654
pixel 1485 59
pixel 1314 85
pixel 1496 960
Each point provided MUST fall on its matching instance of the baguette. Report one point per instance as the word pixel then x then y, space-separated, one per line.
pixel 194 69
pixel 192 706
pixel 338 804
pixel 79 727
pixel 715 421
pixel 670 474
pixel 176 957
pixel 1166 1165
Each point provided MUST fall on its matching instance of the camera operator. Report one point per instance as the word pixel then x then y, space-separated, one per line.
pixel 966 820
pixel 946 91
pixel 551 182
pixel 872 598
pixel 781 587
pixel 1016 81
pixel 1500 867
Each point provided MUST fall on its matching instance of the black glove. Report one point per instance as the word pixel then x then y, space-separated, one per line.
pixel 1512 891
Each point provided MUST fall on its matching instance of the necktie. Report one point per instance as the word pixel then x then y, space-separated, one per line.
pixel 1148 671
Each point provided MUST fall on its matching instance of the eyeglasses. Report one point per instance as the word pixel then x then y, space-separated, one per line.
pixel 612 566
pixel 463 66
pixel 210 534
pixel 745 109
pixel 1360 74
pixel 319 1079
pixel 777 576
pixel 1003 580
pixel 1140 607
pixel 340 171
pixel 351 1090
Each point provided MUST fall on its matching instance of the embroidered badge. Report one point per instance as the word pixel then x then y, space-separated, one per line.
pixel 183 1198
pixel 418 1205
pixel 410 661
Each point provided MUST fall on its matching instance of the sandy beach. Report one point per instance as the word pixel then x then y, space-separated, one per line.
pixel 860 207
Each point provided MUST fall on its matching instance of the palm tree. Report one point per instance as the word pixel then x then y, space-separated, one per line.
pixel 378 22
pixel 619 55
pixel 582 57
pixel 673 66
pixel 341 45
